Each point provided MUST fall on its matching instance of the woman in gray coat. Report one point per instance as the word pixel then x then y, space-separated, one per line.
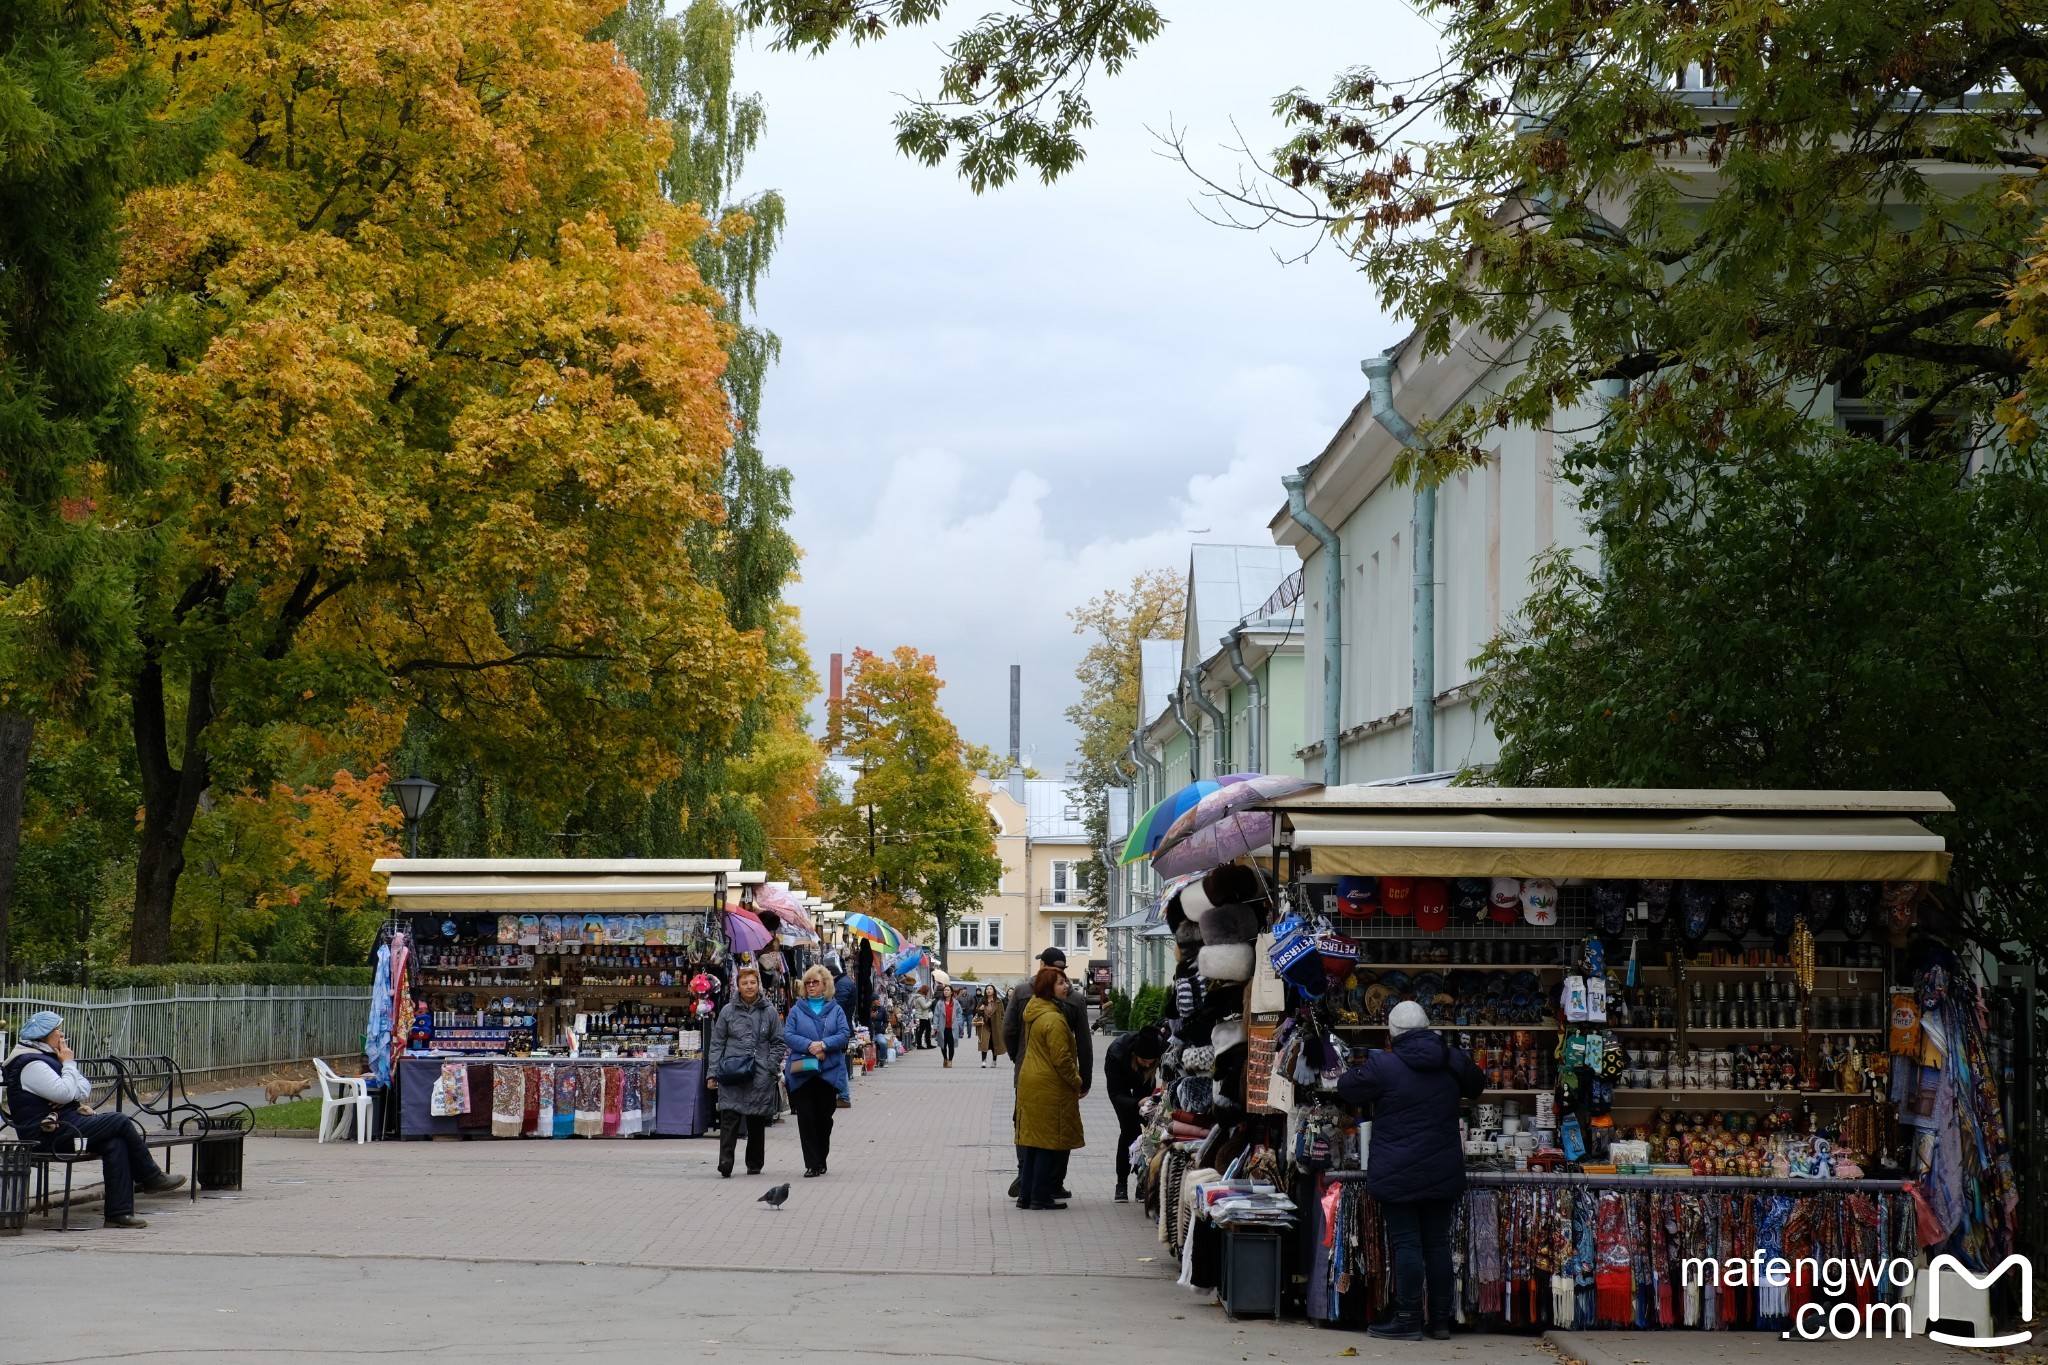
pixel 747 1028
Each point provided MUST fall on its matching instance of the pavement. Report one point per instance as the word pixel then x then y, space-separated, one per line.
pixel 636 1250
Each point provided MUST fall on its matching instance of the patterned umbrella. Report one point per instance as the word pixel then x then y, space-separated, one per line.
pixel 1217 829
pixel 883 936
pixel 785 904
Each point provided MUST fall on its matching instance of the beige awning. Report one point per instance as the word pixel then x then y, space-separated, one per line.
pixel 610 885
pixel 1609 843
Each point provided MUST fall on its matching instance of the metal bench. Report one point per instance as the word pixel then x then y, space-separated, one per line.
pixel 156 1086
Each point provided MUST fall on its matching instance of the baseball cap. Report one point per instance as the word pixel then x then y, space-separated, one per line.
pixel 1539 900
pixel 1053 957
pixel 1397 895
pixel 1358 896
pixel 1432 905
pixel 1504 902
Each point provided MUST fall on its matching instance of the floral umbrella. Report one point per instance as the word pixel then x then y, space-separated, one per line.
pixel 1218 829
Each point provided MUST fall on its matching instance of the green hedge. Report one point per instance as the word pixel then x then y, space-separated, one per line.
pixel 1135 1012
pixel 216 974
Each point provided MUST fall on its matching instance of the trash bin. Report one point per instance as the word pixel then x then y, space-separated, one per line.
pixel 15 1167
pixel 1251 1279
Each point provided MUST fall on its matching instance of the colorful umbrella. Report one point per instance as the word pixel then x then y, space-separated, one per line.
pixel 883 936
pixel 746 932
pixel 1244 790
pixel 1153 824
pixel 1211 846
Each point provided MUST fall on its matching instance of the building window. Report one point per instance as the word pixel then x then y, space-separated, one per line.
pixel 994 932
pixel 1063 882
pixel 967 934
pixel 1070 934
pixel 1071 813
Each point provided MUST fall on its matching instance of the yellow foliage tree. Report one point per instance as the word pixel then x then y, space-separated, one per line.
pixel 434 385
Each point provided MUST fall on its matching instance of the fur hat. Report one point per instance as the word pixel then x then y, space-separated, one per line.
pixel 1187 937
pixel 1227 1035
pixel 1230 924
pixel 1226 962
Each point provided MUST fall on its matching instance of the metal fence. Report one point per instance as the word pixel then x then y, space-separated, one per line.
pixel 203 1028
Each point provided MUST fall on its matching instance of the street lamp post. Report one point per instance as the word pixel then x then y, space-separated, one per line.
pixel 415 794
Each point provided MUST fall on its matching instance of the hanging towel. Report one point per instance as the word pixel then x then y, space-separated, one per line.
pixel 588 1109
pixel 535 1085
pixel 614 1099
pixel 508 1100
pixel 479 1087
pixel 1614 1281
pixel 451 1093
pixel 565 1102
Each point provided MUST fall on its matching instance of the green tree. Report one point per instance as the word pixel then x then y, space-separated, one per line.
pixel 734 789
pixel 76 134
pixel 1117 622
pixel 912 843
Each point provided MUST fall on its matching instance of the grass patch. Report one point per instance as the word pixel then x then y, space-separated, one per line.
pixel 289 1114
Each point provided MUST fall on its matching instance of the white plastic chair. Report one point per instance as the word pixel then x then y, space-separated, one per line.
pixel 340 1097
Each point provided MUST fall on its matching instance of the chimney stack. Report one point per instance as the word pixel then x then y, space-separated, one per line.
pixel 838 677
pixel 1017 732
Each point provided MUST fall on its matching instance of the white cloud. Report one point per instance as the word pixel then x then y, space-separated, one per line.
pixel 997 406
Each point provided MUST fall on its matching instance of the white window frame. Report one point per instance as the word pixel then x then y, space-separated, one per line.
pixel 992 933
pixel 1063 870
pixel 960 935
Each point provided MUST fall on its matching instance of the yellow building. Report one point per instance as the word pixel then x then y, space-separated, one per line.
pixel 1043 842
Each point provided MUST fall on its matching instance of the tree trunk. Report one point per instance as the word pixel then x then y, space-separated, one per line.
pixel 170 800
pixel 939 918
pixel 17 733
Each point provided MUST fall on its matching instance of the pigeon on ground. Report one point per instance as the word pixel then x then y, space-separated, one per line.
pixel 773 1199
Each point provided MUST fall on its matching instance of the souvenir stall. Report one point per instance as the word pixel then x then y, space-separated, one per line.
pixel 552 997
pixel 1710 1022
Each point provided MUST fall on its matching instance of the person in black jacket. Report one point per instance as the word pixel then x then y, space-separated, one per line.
pixel 1415 1167
pixel 1076 1011
pixel 1127 1070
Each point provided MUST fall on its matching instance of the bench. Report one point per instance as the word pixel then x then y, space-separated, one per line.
pixel 155 1086
pixel 146 1088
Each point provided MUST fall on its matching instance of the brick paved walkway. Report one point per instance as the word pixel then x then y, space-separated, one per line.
pixel 919 1170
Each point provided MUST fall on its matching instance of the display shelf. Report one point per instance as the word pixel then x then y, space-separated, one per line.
pixel 1784 969
pixel 1744 1032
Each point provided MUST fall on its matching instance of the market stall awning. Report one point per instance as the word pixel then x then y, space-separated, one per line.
pixel 448 884
pixel 1618 842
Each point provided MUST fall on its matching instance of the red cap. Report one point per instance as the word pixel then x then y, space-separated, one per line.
pixel 1396 895
pixel 1432 902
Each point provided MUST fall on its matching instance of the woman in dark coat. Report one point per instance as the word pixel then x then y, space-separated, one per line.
pixel 747 1027
pixel 1415 1167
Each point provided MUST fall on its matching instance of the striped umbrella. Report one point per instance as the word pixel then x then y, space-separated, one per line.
pixel 883 936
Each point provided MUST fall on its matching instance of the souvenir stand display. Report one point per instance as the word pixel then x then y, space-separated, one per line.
pixel 1779 1051
pixel 531 1002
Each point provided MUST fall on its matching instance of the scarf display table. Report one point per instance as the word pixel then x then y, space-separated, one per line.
pixel 549 1096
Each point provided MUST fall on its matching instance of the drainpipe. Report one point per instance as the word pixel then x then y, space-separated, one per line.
pixel 1379 372
pixel 1296 485
pixel 1191 680
pixel 1254 723
pixel 1177 702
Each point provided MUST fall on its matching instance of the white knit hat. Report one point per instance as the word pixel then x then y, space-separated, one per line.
pixel 1406 1018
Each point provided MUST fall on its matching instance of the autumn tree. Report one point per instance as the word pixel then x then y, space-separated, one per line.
pixel 435 384
pixel 76 134
pixel 1116 623
pixel 912 843
pixel 731 785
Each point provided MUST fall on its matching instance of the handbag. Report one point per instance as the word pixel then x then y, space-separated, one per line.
pixel 805 1065
pixel 735 1067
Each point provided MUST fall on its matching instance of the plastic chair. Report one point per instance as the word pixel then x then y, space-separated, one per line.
pixel 340 1097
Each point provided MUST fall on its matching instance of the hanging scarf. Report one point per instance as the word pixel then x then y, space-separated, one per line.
pixel 614 1099
pixel 1483 1209
pixel 537 1086
pixel 508 1100
pixel 565 1101
pixel 1613 1281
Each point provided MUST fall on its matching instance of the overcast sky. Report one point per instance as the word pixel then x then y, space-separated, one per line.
pixel 997 406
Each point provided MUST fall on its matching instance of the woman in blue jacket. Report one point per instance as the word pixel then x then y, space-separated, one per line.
pixel 1415 1167
pixel 817 1032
